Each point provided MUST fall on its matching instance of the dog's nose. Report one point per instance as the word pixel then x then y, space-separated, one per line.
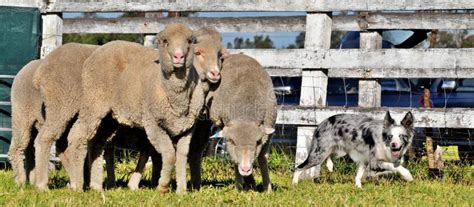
pixel 393 145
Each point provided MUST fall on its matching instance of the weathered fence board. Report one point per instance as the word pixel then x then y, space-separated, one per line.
pixel 433 117
pixel 246 5
pixel 273 24
pixel 453 63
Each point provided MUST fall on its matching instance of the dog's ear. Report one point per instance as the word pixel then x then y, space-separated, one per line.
pixel 407 121
pixel 388 121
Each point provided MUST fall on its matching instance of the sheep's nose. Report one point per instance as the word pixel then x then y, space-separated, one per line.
pixel 178 55
pixel 214 75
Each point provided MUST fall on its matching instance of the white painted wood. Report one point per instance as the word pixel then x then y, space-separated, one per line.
pixel 432 117
pixel 370 91
pixel 154 25
pixel 245 5
pixel 21 3
pixel 437 62
pixel 52 33
pixel 274 24
pixel 314 82
pixel 149 41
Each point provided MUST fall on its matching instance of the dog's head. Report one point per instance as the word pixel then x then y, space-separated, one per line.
pixel 398 137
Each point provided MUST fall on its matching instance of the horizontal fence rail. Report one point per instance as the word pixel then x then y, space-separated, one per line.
pixel 245 5
pixel 144 25
pixel 433 117
pixel 383 63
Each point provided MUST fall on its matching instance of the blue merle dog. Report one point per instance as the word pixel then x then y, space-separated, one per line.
pixel 373 144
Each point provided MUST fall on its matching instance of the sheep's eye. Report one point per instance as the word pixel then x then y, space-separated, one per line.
pixel 259 142
pixel 231 141
pixel 197 53
pixel 165 41
pixel 190 41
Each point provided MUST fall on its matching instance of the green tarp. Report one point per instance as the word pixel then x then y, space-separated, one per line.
pixel 20 38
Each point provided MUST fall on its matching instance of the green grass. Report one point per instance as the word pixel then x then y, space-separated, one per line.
pixel 336 189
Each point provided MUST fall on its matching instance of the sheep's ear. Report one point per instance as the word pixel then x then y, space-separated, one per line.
pixel 224 53
pixel 408 120
pixel 388 121
pixel 267 130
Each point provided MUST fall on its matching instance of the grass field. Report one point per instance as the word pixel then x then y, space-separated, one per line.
pixel 455 189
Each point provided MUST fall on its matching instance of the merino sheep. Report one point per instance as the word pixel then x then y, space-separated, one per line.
pixel 208 55
pixel 244 104
pixel 122 84
pixel 26 120
pixel 59 82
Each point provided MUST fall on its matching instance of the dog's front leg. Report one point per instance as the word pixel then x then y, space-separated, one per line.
pixel 360 172
pixel 388 167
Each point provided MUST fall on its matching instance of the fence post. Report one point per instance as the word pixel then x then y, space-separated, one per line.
pixel 52 33
pixel 369 89
pixel 314 81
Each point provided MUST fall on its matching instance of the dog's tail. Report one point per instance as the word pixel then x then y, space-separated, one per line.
pixel 303 165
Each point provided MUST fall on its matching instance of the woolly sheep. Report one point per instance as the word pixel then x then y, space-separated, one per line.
pixel 244 104
pixel 58 80
pixel 26 120
pixel 123 84
pixel 207 61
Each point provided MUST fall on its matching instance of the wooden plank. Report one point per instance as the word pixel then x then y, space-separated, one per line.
pixel 313 82
pixel 154 25
pixel 284 72
pixel 274 24
pixel 20 3
pixel 370 91
pixel 245 5
pixel 52 33
pixel 433 117
pixel 401 63
pixel 444 21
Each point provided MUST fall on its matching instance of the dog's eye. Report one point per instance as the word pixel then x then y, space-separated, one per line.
pixel 390 136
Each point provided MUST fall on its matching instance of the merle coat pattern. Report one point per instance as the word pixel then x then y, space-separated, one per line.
pixel 373 144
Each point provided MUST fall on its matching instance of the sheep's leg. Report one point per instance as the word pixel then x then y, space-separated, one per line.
pixel 109 155
pixel 198 144
pixel 20 142
pixel 163 144
pixel 155 172
pixel 96 149
pixel 48 134
pixel 263 164
pixel 137 174
pixel 81 132
pixel 182 150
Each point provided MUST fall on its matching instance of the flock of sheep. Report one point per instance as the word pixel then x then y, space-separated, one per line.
pixel 88 98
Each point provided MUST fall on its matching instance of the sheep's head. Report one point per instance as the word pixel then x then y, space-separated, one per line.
pixel 176 45
pixel 208 54
pixel 245 140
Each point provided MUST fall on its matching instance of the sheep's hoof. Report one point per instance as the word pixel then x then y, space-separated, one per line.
pixel 42 187
pixel 163 189
pixel 181 192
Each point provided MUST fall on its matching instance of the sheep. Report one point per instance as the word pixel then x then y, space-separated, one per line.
pixel 26 120
pixel 244 104
pixel 208 56
pixel 124 85
pixel 59 83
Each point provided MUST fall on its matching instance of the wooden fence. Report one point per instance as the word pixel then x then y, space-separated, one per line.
pixel 316 62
